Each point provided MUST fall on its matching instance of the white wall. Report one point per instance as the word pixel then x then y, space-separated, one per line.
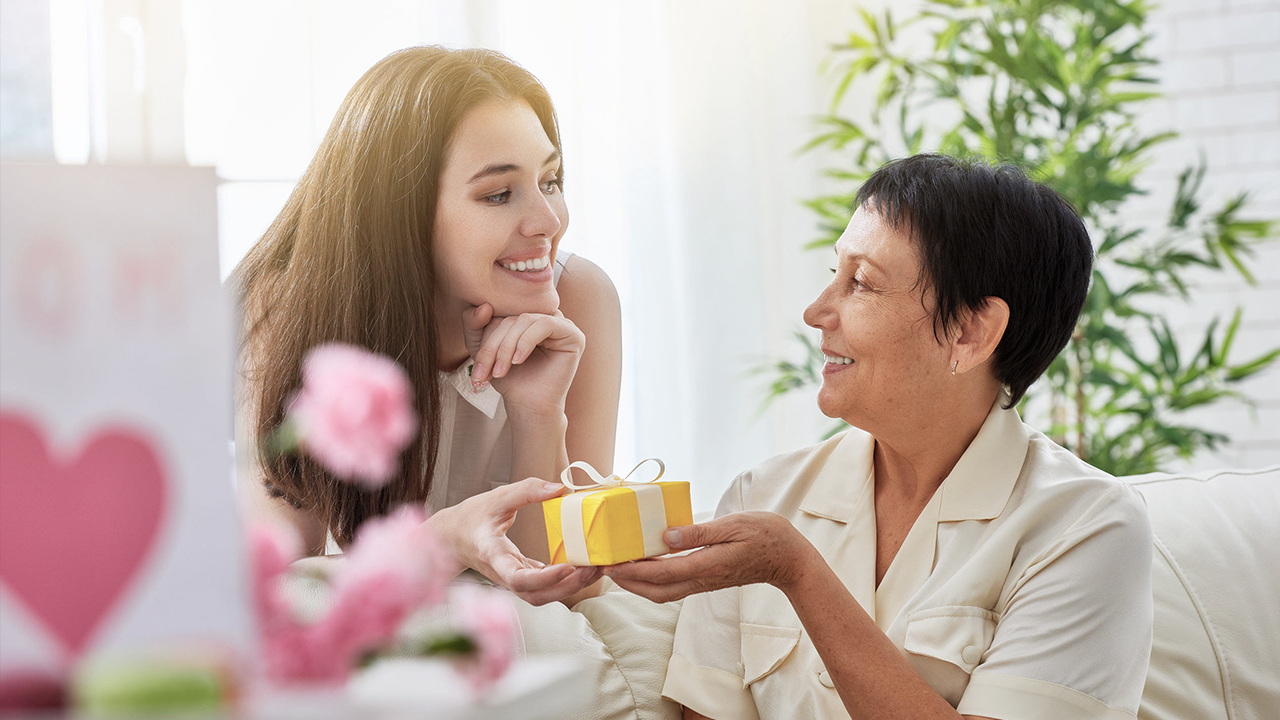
pixel 1221 76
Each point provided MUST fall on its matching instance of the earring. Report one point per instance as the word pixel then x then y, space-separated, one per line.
pixel 953 366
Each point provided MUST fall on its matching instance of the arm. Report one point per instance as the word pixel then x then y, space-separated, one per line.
pixel 589 300
pixel 562 400
pixel 872 677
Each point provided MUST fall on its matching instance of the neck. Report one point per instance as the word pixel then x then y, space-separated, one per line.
pixel 912 462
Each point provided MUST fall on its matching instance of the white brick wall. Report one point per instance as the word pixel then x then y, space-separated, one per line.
pixel 1220 70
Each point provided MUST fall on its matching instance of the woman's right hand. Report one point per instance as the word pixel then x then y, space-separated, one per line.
pixel 531 358
pixel 476 531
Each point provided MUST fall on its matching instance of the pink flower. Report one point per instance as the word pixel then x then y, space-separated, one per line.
pixel 395 566
pixel 397 551
pixel 355 412
pixel 490 620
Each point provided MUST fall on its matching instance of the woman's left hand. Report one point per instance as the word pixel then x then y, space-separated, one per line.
pixel 530 358
pixel 738 549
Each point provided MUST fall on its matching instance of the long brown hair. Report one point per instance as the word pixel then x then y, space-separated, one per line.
pixel 350 259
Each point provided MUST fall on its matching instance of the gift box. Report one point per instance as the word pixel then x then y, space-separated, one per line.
pixel 616 520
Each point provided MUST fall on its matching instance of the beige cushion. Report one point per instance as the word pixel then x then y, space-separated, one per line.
pixel 623 640
pixel 1216 580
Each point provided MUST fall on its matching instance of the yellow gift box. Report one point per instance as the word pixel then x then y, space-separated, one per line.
pixel 616 520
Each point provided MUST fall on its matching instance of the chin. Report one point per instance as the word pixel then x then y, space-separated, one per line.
pixel 829 405
pixel 543 304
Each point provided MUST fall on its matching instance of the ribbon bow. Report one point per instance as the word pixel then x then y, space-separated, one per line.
pixel 612 481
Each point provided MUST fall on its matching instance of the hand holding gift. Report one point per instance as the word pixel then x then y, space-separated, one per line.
pixel 615 520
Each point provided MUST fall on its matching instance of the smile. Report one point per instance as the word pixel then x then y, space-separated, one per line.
pixel 837 360
pixel 533 265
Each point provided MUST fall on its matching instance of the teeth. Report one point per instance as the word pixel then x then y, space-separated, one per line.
pixel 528 265
pixel 837 360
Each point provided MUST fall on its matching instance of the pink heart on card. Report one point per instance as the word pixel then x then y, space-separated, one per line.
pixel 75 534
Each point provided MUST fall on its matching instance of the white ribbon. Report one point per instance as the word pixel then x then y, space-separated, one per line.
pixel 566 476
pixel 653 511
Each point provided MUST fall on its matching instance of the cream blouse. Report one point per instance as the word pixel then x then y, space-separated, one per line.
pixel 1023 590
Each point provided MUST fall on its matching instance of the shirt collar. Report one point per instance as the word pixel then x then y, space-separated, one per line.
pixel 485 400
pixel 977 488
pixel 844 480
pixel 980 484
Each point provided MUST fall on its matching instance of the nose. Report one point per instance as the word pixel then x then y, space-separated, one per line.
pixel 540 218
pixel 820 314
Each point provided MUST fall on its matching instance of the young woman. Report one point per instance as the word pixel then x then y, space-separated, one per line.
pixel 427 228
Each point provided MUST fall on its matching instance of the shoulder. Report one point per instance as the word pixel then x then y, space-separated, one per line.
pixel 589 300
pixel 583 283
pixel 1076 494
pixel 780 483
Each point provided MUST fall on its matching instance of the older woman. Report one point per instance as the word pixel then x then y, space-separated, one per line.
pixel 940 558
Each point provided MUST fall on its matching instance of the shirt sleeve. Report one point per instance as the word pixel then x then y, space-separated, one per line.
pixel 705 670
pixel 1075 637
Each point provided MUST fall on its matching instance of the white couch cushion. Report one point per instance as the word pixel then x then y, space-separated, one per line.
pixel 1216 579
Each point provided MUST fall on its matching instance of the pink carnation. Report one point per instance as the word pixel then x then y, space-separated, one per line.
pixel 355 412
pixel 490 620
pixel 395 566
pixel 398 546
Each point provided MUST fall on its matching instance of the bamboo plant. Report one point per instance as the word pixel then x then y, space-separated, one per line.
pixel 1055 87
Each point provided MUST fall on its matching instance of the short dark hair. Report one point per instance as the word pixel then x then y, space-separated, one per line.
pixel 986 230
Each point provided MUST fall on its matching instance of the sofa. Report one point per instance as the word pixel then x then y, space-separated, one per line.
pixel 1216 583
pixel 1215 577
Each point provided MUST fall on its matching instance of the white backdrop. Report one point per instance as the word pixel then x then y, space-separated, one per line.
pixel 681 123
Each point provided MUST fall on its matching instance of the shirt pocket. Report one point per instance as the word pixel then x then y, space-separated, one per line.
pixel 765 648
pixel 956 634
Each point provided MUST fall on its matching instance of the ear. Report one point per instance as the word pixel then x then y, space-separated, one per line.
pixel 979 335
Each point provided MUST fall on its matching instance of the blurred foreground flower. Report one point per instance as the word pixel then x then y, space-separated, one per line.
pixel 354 414
pixel 491 621
pixel 395 567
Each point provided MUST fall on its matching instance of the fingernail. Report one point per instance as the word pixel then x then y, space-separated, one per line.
pixel 550 486
pixel 673 538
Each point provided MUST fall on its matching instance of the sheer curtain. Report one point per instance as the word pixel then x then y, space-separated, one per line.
pixel 681 124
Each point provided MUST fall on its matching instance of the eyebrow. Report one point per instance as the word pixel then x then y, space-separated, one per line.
pixel 860 259
pixel 504 168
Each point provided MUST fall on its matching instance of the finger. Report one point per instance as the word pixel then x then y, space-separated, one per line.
pixel 489 358
pixel 579 579
pixel 660 593
pixel 529 580
pixel 562 335
pixel 474 320
pixel 543 330
pixel 712 532
pixel 504 357
pixel 509 498
pixel 480 348
pixel 666 570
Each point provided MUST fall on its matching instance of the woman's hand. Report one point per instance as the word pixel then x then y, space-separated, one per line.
pixel 737 549
pixel 476 532
pixel 530 358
